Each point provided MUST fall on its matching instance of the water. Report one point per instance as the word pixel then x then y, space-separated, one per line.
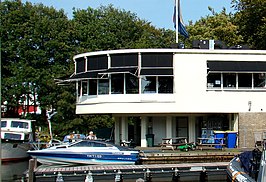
pixel 14 172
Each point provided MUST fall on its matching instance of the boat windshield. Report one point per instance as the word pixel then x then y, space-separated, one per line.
pixel 12 136
pixel 91 143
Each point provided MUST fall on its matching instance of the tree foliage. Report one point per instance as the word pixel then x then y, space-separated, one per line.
pixel 251 19
pixel 217 26
pixel 36 49
pixel 110 28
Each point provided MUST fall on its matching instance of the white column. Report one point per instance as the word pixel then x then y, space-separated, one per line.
pixel 144 121
pixel 117 131
pixel 235 122
pixel 169 132
pixel 124 129
pixel 192 129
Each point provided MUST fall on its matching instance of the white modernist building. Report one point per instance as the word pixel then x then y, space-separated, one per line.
pixel 174 92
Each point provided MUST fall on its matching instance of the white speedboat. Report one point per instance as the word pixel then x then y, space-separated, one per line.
pixel 16 135
pixel 86 152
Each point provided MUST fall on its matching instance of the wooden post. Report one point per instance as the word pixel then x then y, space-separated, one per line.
pixel 147 176
pixel 32 166
pixel 203 176
pixel 118 176
pixel 176 176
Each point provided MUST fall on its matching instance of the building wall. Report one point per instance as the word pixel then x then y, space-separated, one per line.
pixel 250 125
pixel 190 91
pixel 191 96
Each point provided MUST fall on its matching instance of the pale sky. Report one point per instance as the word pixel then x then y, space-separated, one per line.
pixel 158 12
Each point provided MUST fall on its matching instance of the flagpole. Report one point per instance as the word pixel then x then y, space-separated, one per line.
pixel 176 19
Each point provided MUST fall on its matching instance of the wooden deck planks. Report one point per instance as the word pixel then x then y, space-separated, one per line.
pixel 126 167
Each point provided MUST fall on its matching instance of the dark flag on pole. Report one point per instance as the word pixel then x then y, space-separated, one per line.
pixel 181 26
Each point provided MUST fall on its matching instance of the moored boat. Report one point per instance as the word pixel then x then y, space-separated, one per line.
pixel 86 152
pixel 249 166
pixel 16 135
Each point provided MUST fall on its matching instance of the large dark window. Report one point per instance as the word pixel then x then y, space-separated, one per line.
pixel 124 60
pixel 84 87
pixel 103 86
pixel 236 80
pixel 229 80
pixel 157 60
pixel 165 84
pixel 80 65
pixel 244 80
pixel 117 83
pixel 99 62
pixel 214 80
pixel 93 87
pixel 148 84
pixel 259 80
pixel 132 84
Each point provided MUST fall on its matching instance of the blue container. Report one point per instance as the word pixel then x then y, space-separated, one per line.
pixel 219 134
pixel 231 139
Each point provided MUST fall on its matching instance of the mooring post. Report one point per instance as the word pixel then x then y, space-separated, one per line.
pixel 176 176
pixel 59 177
pixel 89 177
pixel 140 180
pixel 118 176
pixel 147 176
pixel 203 176
pixel 32 166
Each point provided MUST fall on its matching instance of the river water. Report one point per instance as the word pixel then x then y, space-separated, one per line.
pixel 14 172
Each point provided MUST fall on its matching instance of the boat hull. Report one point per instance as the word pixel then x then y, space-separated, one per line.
pixel 66 158
pixel 245 166
pixel 14 151
pixel 81 156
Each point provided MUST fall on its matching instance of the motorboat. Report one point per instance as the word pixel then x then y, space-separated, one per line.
pixel 16 135
pixel 86 152
pixel 248 166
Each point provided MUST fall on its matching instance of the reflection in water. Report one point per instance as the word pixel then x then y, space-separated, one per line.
pixel 13 171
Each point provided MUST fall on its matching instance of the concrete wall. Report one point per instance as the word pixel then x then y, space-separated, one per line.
pixel 250 125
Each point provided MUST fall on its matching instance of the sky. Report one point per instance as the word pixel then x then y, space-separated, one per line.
pixel 158 12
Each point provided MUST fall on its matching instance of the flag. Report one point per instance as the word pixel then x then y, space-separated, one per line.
pixel 181 26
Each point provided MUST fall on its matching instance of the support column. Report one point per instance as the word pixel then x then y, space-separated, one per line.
pixel 144 121
pixel 235 122
pixel 117 131
pixel 192 129
pixel 169 131
pixel 124 129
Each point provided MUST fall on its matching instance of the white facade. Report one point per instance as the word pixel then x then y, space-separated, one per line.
pixel 191 97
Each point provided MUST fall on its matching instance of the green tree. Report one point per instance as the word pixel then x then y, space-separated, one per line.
pixel 218 26
pixel 36 49
pixel 251 19
pixel 110 28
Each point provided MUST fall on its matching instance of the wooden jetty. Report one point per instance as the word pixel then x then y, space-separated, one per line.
pixel 119 173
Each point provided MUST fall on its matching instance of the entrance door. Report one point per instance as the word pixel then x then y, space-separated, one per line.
pixel 182 127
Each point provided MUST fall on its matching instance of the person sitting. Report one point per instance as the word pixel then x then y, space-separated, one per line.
pixel 91 136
